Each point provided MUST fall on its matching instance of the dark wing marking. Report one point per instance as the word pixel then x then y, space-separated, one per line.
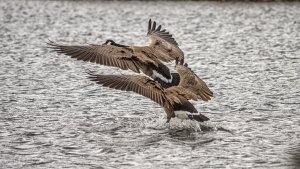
pixel 108 55
pixel 138 84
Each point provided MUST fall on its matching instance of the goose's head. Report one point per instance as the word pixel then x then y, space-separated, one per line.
pixel 109 42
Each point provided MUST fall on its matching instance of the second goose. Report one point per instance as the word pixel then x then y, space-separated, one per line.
pixel 174 100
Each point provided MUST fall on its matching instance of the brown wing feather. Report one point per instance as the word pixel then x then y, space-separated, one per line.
pixel 190 81
pixel 164 42
pixel 179 91
pixel 108 55
pixel 138 84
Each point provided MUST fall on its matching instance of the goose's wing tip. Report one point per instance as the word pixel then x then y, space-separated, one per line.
pixel 91 74
pixel 51 44
pixel 158 32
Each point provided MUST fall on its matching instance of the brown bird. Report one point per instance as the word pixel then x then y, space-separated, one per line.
pixel 174 100
pixel 146 59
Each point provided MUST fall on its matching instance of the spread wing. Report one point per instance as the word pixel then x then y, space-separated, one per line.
pixel 108 55
pixel 190 81
pixel 162 41
pixel 138 84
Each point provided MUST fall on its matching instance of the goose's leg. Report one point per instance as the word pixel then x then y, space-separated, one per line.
pixel 168 120
pixel 168 123
pixel 170 113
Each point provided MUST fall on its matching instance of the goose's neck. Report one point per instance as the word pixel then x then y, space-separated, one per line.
pixel 159 76
pixel 166 83
pixel 119 45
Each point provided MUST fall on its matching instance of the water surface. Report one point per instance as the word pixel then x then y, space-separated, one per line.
pixel 52 116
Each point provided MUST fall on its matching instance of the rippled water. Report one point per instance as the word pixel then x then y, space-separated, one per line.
pixel 52 116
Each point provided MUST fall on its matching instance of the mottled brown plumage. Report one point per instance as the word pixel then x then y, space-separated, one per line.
pixel 163 41
pixel 148 59
pixel 108 55
pixel 190 81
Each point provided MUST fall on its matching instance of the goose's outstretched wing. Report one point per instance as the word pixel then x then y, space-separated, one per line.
pixel 163 41
pixel 138 84
pixel 189 80
pixel 108 55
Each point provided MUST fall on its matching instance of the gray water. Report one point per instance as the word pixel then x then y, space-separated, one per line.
pixel 52 116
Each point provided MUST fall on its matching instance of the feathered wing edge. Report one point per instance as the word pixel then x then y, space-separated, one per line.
pixel 163 34
pixel 90 53
pixel 138 84
pixel 198 87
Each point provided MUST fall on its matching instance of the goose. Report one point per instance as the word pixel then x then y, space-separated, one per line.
pixel 174 100
pixel 146 59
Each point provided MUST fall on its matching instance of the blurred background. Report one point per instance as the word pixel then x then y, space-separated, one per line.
pixel 52 116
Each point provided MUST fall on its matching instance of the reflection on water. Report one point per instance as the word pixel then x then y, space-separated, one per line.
pixel 52 116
